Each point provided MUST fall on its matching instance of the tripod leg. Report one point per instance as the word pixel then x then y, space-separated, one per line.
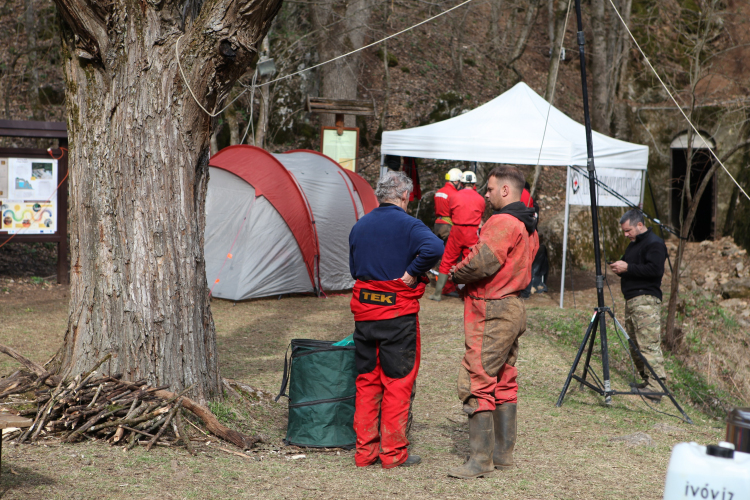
pixel 591 350
pixel 575 362
pixel 605 360
pixel 634 347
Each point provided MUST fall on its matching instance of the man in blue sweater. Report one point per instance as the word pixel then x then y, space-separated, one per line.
pixel 389 251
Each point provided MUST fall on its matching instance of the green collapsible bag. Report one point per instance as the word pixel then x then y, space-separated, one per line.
pixel 321 378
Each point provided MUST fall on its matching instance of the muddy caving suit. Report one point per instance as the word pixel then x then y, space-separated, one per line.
pixel 382 246
pixel 496 270
pixel 467 208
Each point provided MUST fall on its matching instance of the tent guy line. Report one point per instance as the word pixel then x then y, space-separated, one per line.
pixel 645 57
pixel 620 197
pixel 554 84
pixel 213 115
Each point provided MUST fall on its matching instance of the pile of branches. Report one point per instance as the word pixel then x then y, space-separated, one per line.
pixel 106 407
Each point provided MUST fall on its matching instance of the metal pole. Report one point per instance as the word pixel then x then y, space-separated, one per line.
pixel 594 212
pixel 565 238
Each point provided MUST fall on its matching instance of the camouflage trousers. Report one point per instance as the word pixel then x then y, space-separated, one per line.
pixel 643 323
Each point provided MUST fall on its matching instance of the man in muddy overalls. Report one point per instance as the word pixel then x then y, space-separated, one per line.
pixel 496 271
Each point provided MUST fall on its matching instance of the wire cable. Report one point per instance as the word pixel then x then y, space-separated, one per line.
pixel 554 84
pixel 212 115
pixel 673 99
pixel 626 201
pixel 250 121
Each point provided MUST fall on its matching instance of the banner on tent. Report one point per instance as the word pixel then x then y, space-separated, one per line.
pixel 627 183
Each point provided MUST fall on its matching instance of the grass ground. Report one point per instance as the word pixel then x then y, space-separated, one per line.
pixel 562 453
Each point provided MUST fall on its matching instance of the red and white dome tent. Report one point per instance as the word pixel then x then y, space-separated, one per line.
pixel 280 223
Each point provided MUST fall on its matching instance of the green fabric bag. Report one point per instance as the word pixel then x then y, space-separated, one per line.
pixel 321 378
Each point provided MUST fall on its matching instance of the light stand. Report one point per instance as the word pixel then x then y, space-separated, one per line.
pixel 602 386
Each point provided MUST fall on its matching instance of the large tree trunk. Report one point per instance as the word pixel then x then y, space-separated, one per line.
pixel 599 68
pixel 138 176
pixel 30 25
pixel 523 35
pixel 343 26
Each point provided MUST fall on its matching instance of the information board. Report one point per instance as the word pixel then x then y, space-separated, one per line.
pixel 28 201
pixel 627 183
pixel 341 148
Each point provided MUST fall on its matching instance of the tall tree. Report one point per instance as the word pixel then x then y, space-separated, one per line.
pixel 138 176
pixel 600 68
pixel 342 27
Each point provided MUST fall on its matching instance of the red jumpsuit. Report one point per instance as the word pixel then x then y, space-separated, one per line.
pixel 443 209
pixel 387 357
pixel 467 207
pixel 443 222
pixel 497 268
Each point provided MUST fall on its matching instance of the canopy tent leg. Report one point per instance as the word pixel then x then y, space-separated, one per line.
pixel 565 239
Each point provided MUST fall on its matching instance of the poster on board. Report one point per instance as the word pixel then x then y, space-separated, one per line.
pixel 28 202
pixel 341 148
pixel 627 183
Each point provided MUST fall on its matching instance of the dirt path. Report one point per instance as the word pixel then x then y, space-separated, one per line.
pixel 562 453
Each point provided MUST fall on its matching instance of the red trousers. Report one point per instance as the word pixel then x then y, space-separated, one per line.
pixel 487 377
pixel 384 392
pixel 457 247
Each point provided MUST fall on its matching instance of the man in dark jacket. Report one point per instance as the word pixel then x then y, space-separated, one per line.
pixel 389 251
pixel 641 269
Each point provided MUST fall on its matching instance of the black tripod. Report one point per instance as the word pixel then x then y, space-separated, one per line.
pixel 603 385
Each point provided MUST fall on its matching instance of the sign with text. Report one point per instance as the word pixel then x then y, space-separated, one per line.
pixel 342 148
pixel 627 183
pixel 28 201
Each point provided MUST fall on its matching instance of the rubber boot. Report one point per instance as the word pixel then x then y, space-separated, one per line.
pixel 481 444
pixel 504 418
pixel 441 281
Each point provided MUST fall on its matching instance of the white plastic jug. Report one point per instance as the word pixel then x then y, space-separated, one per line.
pixel 707 473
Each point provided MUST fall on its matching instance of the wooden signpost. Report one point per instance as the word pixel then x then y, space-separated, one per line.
pixel 340 143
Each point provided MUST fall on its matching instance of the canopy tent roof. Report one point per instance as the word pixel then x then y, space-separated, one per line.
pixel 510 129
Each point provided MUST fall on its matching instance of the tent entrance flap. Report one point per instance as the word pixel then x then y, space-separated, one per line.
pixel 305 206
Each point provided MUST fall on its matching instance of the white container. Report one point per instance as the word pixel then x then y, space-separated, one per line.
pixel 696 475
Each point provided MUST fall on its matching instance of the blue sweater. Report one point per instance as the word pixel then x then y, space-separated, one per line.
pixel 387 241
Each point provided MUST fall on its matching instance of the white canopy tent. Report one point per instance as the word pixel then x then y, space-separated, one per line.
pixel 511 129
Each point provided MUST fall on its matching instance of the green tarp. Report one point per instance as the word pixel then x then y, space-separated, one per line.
pixel 321 378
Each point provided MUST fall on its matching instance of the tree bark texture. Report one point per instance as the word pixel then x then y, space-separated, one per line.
pixel 30 25
pixel 343 26
pixel 138 175
pixel 555 49
pixel 599 68
pixel 523 36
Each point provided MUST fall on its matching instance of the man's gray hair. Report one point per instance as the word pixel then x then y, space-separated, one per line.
pixel 634 216
pixel 392 186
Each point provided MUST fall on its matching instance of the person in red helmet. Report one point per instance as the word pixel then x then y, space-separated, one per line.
pixel 389 252
pixel 495 272
pixel 467 207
